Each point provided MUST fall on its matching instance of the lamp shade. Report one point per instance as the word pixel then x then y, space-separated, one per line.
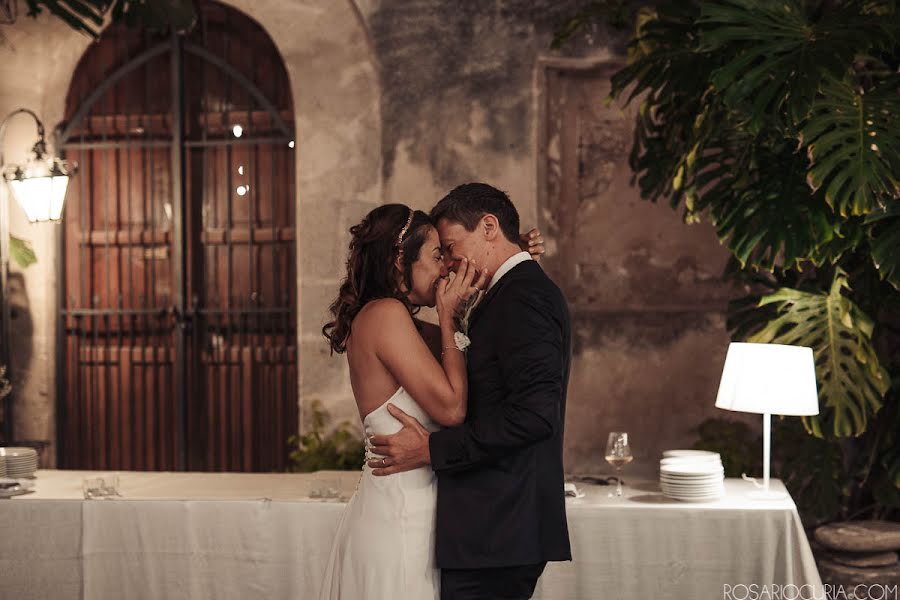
pixel 769 378
pixel 40 185
pixel 41 197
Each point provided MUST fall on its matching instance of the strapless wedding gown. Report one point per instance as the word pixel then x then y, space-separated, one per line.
pixel 384 547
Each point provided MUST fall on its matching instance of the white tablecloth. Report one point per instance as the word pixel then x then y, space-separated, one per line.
pixel 199 535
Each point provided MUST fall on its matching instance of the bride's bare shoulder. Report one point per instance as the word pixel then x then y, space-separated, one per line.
pixel 384 312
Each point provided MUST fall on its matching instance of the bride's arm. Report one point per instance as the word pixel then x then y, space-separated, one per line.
pixel 439 388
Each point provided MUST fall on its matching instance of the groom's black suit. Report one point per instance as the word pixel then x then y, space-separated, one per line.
pixel 500 474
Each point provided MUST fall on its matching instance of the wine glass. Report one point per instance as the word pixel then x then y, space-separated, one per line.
pixel 618 454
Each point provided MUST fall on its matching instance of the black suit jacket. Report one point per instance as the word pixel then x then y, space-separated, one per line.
pixel 500 474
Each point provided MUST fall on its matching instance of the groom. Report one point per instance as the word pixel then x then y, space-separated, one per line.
pixel 501 509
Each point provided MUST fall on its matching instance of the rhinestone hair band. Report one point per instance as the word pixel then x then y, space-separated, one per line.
pixel 405 227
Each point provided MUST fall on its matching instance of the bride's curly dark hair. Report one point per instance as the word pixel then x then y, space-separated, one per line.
pixel 371 269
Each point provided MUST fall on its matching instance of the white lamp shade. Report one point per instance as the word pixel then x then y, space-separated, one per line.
pixel 769 378
pixel 41 197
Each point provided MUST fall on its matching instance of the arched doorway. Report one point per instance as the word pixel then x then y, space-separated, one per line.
pixel 179 311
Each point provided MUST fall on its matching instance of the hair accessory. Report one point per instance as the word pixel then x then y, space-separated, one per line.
pixel 405 227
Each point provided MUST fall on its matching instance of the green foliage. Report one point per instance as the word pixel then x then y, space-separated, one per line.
pixel 339 450
pixel 852 139
pixel 21 252
pixel 776 58
pixel 851 379
pixel 812 469
pixel 778 123
pixel 731 92
pixel 884 240
pixel 735 442
pixel 87 16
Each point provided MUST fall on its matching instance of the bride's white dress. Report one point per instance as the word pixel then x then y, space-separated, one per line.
pixel 384 547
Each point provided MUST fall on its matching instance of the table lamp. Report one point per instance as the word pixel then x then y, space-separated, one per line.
pixel 768 379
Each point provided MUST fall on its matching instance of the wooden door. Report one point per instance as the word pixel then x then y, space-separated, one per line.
pixel 179 307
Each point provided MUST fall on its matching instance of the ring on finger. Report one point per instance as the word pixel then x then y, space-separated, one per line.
pixel 383 464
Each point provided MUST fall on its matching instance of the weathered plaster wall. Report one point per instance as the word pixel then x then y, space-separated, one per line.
pixel 399 102
pixel 334 83
pixel 457 93
pixel 36 62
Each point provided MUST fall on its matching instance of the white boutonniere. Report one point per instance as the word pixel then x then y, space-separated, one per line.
pixel 463 313
pixel 461 340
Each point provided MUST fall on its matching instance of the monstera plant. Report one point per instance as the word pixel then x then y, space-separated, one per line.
pixel 89 16
pixel 778 123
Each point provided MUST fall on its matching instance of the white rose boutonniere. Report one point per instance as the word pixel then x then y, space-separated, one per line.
pixel 461 337
pixel 461 340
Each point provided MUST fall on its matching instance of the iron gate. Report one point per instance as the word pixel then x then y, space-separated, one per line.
pixel 178 295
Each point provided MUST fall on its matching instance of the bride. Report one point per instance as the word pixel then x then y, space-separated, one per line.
pixel 384 547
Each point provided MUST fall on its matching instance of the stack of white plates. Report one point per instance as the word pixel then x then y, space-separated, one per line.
pixel 692 475
pixel 20 462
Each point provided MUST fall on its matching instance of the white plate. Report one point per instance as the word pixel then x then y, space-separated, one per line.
pixel 692 484
pixel 17 451
pixel 683 453
pixel 691 488
pixel 705 491
pixel 698 479
pixel 692 469
pixel 693 491
pixel 691 460
pixel 690 493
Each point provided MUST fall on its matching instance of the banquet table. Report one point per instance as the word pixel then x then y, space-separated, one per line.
pixel 247 535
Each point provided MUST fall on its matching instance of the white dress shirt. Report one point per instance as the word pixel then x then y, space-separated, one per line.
pixel 507 266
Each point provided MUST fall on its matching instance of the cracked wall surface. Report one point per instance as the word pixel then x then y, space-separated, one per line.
pixel 399 102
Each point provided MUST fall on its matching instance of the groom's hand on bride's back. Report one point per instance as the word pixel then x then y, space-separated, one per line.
pixel 403 451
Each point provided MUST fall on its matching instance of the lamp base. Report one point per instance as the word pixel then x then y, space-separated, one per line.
pixel 766 495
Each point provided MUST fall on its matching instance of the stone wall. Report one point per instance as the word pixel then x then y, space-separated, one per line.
pixel 399 102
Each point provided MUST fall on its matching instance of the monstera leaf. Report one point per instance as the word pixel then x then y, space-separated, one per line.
pixel 21 252
pixel 884 241
pixel 853 142
pixel 763 212
pixel 87 16
pixel 669 78
pixel 851 381
pixel 777 56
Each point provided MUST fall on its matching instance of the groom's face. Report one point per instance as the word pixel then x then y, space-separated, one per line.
pixel 458 243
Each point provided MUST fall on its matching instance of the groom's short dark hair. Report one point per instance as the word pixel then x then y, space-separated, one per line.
pixel 467 203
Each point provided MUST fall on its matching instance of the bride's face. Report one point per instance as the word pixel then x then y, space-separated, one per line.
pixel 427 271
